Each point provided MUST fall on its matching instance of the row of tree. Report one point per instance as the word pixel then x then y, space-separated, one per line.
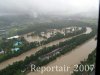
pixel 60 36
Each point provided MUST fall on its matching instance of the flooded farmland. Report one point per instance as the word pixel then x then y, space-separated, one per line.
pixel 32 37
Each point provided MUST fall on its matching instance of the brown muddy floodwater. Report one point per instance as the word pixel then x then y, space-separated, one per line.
pixel 88 30
pixel 33 38
pixel 32 51
pixel 28 53
pixel 74 57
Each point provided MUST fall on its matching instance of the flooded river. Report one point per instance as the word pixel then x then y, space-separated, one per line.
pixel 74 57
pixel 28 53
pixel 32 51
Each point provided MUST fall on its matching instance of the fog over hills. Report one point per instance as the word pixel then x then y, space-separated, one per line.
pixel 55 7
pixel 26 11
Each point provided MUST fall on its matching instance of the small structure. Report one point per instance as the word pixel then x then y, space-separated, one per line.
pixel 15 49
pixel 14 37
pixel 17 43
pixel 1 51
pixel 42 34
pixel 16 46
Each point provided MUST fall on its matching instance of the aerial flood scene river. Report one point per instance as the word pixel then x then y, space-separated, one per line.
pixel 48 37
pixel 72 58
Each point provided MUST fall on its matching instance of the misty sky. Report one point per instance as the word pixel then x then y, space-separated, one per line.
pixel 47 6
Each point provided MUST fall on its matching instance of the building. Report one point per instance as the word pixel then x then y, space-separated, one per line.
pixel 15 49
pixel 17 43
pixel 14 37
pixel 1 51
pixel 16 46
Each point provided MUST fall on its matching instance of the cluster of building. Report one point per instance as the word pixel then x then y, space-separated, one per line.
pixel 63 31
pixel 15 47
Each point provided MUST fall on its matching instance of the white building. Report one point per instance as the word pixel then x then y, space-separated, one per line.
pixel 13 37
pixel 1 52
